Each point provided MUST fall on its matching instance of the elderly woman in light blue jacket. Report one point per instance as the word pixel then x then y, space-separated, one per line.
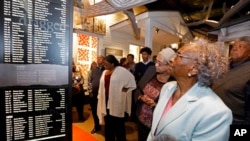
pixel 188 109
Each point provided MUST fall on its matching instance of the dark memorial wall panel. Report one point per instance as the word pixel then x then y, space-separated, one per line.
pixel 35 70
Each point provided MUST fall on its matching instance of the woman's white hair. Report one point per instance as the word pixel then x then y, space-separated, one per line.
pixel 210 59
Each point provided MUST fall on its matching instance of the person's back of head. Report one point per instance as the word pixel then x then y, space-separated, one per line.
pixel 99 61
pixel 112 60
pixel 93 65
pixel 123 61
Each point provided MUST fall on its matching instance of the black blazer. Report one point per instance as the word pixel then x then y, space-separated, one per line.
pixel 147 76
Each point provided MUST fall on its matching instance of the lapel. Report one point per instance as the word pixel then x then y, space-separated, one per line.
pixel 148 75
pixel 178 109
pixel 165 95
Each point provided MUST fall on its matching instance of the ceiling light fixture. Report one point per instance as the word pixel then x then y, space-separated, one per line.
pixel 157 30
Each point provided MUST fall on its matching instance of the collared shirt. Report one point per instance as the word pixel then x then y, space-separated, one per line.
pixel 238 64
pixel 140 69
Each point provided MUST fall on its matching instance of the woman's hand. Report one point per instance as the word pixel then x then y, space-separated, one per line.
pixel 77 86
pixel 125 89
pixel 147 100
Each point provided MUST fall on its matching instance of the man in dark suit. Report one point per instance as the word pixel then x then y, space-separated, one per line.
pixel 94 80
pixel 234 87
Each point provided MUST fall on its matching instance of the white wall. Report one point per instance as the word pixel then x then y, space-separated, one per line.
pixel 119 40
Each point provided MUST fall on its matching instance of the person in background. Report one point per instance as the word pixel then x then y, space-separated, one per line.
pixel 139 70
pixel 130 65
pixel 141 67
pixel 148 89
pixel 114 98
pixel 78 94
pixel 123 61
pixel 154 58
pixel 93 65
pixel 234 87
pixel 188 109
pixel 94 79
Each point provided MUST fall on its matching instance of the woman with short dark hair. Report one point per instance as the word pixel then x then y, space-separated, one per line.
pixel 114 98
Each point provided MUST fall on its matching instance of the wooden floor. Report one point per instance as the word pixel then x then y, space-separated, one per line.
pixel 88 124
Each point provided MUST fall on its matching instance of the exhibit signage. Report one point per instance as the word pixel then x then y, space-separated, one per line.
pixel 35 69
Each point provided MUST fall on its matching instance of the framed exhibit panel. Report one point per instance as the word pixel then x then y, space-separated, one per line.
pixel 82 22
pixel 35 68
pixel 135 50
pixel 118 53
pixel 100 25
pixel 84 52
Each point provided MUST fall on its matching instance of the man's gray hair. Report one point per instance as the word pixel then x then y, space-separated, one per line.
pixel 245 38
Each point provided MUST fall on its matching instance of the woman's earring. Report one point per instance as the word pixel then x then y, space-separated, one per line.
pixel 189 74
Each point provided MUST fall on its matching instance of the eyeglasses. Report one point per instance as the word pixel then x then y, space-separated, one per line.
pixel 183 56
pixel 160 63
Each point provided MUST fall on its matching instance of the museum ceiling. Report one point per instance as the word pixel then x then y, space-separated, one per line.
pixel 202 16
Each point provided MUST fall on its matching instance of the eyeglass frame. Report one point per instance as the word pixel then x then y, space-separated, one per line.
pixel 159 63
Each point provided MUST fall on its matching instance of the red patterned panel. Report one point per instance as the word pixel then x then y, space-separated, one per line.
pixel 94 55
pixel 82 54
pixel 83 40
pixel 94 42
pixel 85 69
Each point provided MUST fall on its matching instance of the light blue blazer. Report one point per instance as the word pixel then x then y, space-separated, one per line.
pixel 199 115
